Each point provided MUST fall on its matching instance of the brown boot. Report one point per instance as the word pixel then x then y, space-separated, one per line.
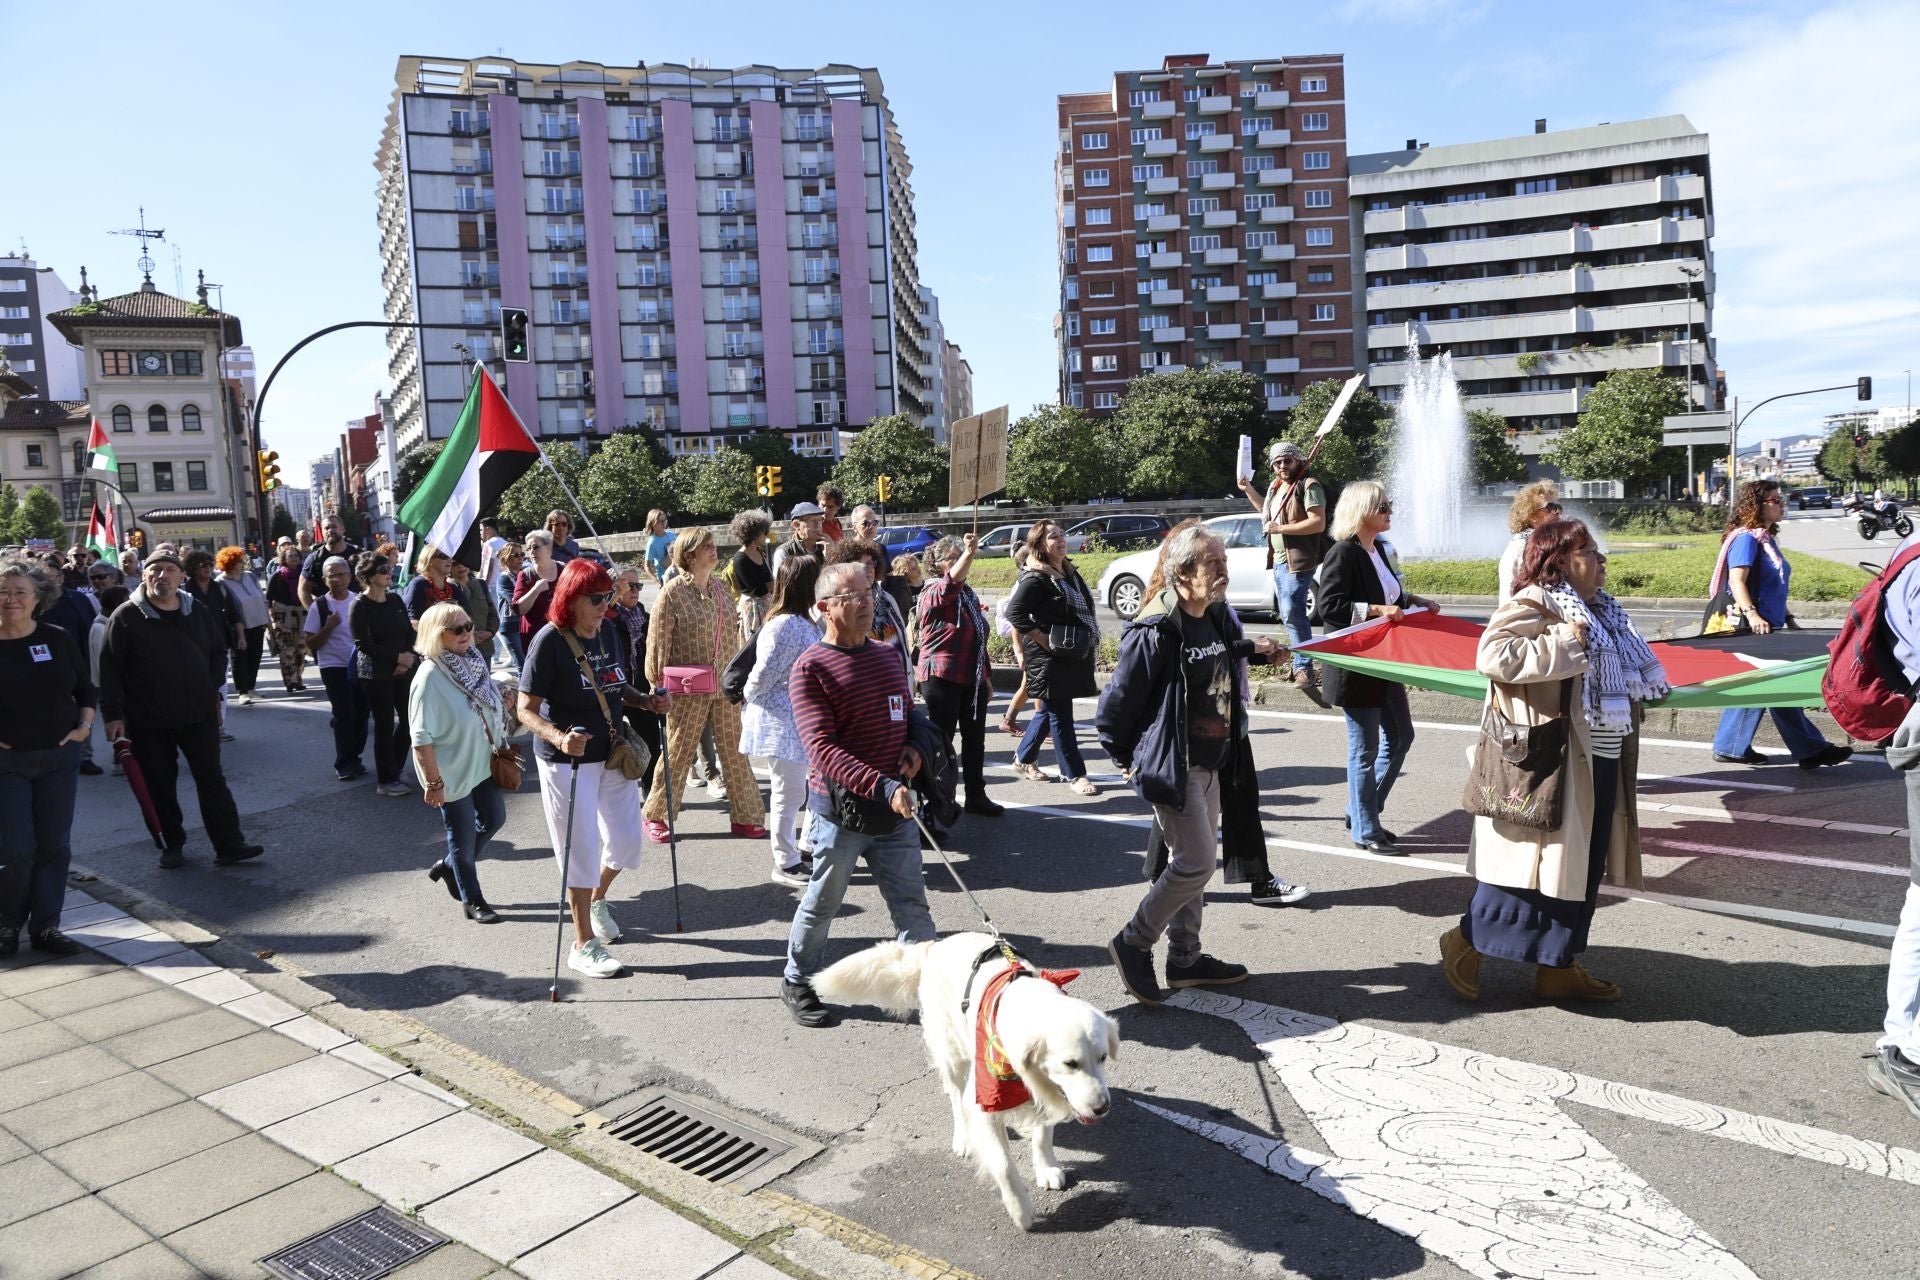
pixel 1573 983
pixel 1461 963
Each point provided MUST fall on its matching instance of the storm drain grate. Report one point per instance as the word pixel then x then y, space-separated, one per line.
pixel 375 1244
pixel 692 1138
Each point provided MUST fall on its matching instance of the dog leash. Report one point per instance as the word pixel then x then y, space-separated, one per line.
pixel 1000 939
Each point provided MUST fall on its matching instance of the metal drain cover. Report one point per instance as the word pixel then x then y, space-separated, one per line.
pixel 372 1245
pixel 690 1137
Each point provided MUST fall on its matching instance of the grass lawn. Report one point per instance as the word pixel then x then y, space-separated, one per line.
pixel 1679 567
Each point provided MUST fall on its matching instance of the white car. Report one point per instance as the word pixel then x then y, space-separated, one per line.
pixel 1250 587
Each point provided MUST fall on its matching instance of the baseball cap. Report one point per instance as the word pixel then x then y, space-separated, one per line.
pixel 1283 449
pixel 284 542
pixel 801 510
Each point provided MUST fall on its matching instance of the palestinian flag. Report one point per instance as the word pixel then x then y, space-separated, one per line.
pixel 1431 651
pixel 488 450
pixel 101 535
pixel 100 451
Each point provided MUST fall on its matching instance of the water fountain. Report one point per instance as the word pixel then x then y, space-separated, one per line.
pixel 1432 466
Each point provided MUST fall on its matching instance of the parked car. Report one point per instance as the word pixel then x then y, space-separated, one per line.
pixel 1117 533
pixel 1250 586
pixel 1001 540
pixel 1815 496
pixel 908 539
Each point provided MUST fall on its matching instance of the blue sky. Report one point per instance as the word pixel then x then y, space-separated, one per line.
pixel 248 132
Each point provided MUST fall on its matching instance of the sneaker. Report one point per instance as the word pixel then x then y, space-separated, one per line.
pixel 357 771
pixel 241 854
pixel 794 877
pixel 804 1004
pixel 56 943
pixel 9 941
pixel 593 959
pixel 245 700
pixel 717 787
pixel 1031 772
pixel 90 769
pixel 393 789
pixel 1278 893
pixel 1893 1073
pixel 1828 755
pixel 657 831
pixel 172 858
pixel 1204 971
pixel 1136 970
pixel 1084 785
pixel 603 926
pixel 1750 756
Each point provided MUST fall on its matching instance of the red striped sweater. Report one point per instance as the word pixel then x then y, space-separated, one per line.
pixel 852 708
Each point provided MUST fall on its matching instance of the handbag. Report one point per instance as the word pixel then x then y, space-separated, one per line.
pixel 733 681
pixel 626 752
pixel 699 678
pixel 1070 640
pixel 1722 617
pixel 504 762
pixel 1519 771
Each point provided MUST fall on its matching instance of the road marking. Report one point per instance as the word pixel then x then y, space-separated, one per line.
pixel 1733 783
pixel 1471 1155
pixel 1765 855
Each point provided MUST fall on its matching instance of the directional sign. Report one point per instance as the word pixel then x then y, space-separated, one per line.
pixel 1699 429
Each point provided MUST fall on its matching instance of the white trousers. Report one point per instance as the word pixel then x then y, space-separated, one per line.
pixel 789 796
pixel 607 830
pixel 1903 982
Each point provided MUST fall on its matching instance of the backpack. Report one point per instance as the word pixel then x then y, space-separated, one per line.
pixel 1864 687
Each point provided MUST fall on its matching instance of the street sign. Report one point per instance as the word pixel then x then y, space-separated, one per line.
pixel 1699 429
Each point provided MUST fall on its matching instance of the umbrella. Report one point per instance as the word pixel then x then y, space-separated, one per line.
pixel 137 783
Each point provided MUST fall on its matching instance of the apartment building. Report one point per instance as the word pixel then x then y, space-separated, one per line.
pixel 31 347
pixel 704 252
pixel 1541 262
pixel 957 382
pixel 1202 218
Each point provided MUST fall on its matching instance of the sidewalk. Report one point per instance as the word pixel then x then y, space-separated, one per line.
pixel 161 1116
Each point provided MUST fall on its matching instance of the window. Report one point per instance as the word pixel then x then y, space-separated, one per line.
pixel 1093 142
pixel 1203 204
pixel 1158 320
pixel 1257 164
pixel 1260 200
pixel 190 418
pixel 1141 97
pixel 163 477
pixel 1142 211
pixel 1316 159
pixel 36 455
pixel 563 311
pixel 1146 135
pixel 1319 237
pixel 15 285
pixel 1261 239
pixel 1073 325
pixel 1257 278
pixel 1147 172
pixel 156 419
pixel 1320 275
pixel 13 313
pixel 116 364
pixel 1199 244
pixel 1099 253
pixel 197 476
pixel 1319 199
pixel 1465 197
pixel 1194 93
pixel 1313 84
pixel 1152 284
pixel 129 477
pixel 1106 364
pixel 122 418
pixel 1199 129
pixel 1536 186
pixel 1100 288
pixel 1106 399
pixel 1099 217
pixel 646 274
pixel 1250 125
pixel 1095 177
pixel 16 339
pixel 1147 248
pixel 1254 89
pixel 1323 311
pixel 1276 387
pixel 1320 351
pixel 1313 121
pixel 1103 326
pixel 1200 168
pixel 1073 286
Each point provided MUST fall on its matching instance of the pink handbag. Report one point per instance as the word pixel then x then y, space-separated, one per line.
pixel 699 678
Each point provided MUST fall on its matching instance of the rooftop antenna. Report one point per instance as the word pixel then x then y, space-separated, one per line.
pixel 145 261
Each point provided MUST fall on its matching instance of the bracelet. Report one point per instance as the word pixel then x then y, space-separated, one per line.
pixel 438 784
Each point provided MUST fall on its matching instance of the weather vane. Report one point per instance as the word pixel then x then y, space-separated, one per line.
pixel 145 262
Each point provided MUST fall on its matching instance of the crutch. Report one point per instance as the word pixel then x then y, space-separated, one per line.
pixel 662 768
pixel 566 860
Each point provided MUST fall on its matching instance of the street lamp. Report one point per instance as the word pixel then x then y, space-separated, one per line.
pixel 1686 318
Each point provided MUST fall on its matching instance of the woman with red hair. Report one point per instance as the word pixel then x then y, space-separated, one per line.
pixel 251 602
pixel 577 678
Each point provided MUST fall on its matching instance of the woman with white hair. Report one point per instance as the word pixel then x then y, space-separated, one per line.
pixel 331 640
pixel 1361 581
pixel 533 589
pixel 458 722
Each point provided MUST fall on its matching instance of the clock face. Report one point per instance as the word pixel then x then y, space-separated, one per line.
pixel 153 362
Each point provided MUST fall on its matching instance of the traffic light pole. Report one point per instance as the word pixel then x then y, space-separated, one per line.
pixel 1861 385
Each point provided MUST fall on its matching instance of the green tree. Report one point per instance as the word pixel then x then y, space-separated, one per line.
pixel 1058 454
pixel 1900 452
pixel 526 503
pixel 621 483
pixel 9 513
pixel 39 516
pixel 1178 432
pixel 1618 434
pixel 894 446
pixel 722 486
pixel 1495 460
pixel 1365 422
pixel 282 525
pixel 413 469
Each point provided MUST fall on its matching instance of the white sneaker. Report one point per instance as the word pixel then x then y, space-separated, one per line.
pixel 794 877
pixel 593 959
pixel 717 787
pixel 603 926
pixel 245 699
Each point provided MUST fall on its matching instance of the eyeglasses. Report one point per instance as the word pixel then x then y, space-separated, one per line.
pixel 385 568
pixel 598 598
pixel 461 629
pixel 846 597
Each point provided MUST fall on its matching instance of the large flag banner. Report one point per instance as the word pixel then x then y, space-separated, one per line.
pixel 1425 650
pixel 488 450
pixel 101 535
pixel 100 456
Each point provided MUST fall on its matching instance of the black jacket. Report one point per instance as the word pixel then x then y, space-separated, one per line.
pixel 158 672
pixel 1346 579
pixel 1039 603
pixel 217 599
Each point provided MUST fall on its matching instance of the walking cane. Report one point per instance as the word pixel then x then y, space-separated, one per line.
pixel 661 778
pixel 566 859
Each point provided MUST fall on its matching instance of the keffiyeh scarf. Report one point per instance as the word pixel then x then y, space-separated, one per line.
pixel 1621 669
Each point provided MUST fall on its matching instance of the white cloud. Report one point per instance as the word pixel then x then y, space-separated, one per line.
pixel 1815 129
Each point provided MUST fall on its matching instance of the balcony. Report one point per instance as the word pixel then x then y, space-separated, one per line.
pixel 1168 335
pixel 1162 186
pixel 1282 364
pixel 1218 181
pixel 1275 177
pixel 1157 110
pixel 567 165
pixel 1592 361
pixel 1277 253
pixel 1219 332
pixel 1668 189
pixel 1213 142
pixel 563 243
pixel 1163 261
pixel 1272 99
pixel 1676 315
pixel 1223 293
pixel 1276 213
pixel 1160 147
pixel 817 310
pixel 1280 404
pixel 567 128
pixel 1665 275
pixel 1166 297
pixel 1164 222
pixel 1222 257
pixel 1273 138
pixel 1581 241
pixel 1220 217
pixel 1281 328
pixel 1215 105
pixel 1527 404
pixel 1279 289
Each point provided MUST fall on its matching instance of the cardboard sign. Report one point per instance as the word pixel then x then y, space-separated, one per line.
pixel 976 457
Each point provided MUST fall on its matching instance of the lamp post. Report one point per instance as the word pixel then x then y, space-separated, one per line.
pixel 1686 318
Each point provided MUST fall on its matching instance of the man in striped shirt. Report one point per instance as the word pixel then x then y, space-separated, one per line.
pixel 852 705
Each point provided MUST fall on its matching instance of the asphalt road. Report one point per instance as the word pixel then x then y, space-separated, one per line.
pixel 1457 1122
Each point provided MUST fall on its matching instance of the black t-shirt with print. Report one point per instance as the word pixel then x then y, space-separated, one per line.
pixel 552 674
pixel 1208 670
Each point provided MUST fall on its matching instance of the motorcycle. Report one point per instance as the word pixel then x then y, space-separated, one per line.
pixel 1873 519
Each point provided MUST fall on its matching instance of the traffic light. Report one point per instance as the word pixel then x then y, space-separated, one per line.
pixel 886 488
pixel 269 471
pixel 514 340
pixel 1864 388
pixel 766 481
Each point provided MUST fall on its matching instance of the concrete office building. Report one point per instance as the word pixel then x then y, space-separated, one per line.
pixel 707 253
pixel 1541 262
pixel 32 347
pixel 956 383
pixel 1202 217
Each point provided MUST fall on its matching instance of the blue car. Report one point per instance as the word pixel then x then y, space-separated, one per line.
pixel 908 538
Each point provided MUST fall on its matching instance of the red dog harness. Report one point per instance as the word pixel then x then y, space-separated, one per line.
pixel 996 1085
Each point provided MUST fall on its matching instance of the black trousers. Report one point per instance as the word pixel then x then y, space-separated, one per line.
pixel 246 660
pixel 349 702
pixel 387 700
pixel 947 707
pixel 158 752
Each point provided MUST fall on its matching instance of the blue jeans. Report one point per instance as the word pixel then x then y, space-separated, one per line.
pixel 1377 743
pixel 1056 718
pixel 894 860
pixel 37 790
pixel 1290 591
pixel 471 821
pixel 1737 726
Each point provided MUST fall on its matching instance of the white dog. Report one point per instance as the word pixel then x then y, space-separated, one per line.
pixel 1058 1047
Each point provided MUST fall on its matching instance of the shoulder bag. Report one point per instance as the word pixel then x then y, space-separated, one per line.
pixel 1519 771
pixel 733 681
pixel 504 762
pixel 1071 639
pixel 625 750
pixel 699 678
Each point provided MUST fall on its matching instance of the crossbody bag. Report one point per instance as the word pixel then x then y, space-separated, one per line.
pixel 1519 771
pixel 699 678
pixel 504 762
pixel 626 752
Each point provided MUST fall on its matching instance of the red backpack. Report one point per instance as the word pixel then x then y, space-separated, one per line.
pixel 1865 688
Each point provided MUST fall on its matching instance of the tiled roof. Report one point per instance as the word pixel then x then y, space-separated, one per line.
pixel 160 515
pixel 42 415
pixel 142 307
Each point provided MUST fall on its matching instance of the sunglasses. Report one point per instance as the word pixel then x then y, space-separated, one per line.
pixel 598 598
pixel 1386 510
pixel 1554 507
pixel 461 629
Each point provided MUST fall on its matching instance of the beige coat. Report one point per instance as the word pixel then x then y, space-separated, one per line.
pixel 1526 653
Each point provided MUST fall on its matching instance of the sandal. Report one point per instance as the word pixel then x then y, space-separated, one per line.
pixel 1008 724
pixel 1031 772
pixel 1084 785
